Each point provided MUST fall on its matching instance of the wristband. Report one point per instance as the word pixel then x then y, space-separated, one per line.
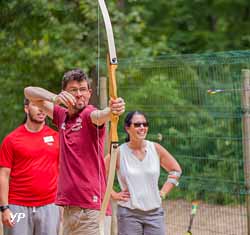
pixel 173 181
pixel 53 99
pixel 163 196
pixel 3 208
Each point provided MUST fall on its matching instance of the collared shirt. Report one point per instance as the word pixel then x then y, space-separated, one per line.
pixel 82 178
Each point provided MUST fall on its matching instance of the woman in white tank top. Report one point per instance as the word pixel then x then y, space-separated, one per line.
pixel 138 170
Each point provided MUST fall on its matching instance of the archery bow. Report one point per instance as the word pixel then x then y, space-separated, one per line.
pixel 113 136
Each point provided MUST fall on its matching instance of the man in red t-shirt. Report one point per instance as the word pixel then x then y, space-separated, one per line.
pixel 82 176
pixel 29 158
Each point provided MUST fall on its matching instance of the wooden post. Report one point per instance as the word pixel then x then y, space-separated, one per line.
pixel 103 104
pixel 246 139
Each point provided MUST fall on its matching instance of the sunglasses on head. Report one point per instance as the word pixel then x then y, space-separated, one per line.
pixel 139 124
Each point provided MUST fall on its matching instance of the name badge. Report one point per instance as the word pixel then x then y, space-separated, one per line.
pixel 48 139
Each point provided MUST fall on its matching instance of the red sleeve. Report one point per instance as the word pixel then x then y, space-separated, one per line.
pixel 88 110
pixel 86 117
pixel 58 115
pixel 6 153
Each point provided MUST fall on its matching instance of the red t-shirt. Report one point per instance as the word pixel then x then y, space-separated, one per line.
pixel 33 160
pixel 82 177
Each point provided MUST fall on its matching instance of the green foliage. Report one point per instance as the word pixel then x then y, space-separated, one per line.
pixel 42 39
pixel 202 131
pixel 193 26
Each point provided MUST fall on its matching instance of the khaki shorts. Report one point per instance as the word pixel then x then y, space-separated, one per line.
pixel 79 221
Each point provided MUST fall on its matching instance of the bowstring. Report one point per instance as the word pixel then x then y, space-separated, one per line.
pixel 98 95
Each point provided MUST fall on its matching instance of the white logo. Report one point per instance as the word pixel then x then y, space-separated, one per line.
pixel 78 120
pixel 19 216
pixel 63 126
pixel 78 125
pixel 95 198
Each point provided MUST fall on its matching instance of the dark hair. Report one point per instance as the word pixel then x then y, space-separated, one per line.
pixel 74 75
pixel 128 118
pixel 25 102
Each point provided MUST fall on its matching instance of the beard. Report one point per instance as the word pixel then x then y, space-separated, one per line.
pixel 79 108
pixel 34 120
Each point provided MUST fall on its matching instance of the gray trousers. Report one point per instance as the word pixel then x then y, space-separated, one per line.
pixel 42 220
pixel 137 222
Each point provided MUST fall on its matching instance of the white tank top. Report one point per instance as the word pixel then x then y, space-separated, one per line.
pixel 140 177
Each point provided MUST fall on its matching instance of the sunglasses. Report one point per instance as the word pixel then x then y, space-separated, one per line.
pixel 139 124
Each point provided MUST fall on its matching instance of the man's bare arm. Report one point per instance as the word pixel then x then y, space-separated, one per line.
pixel 42 98
pixel 4 192
pixel 116 107
pixel 38 94
pixel 4 185
pixel 99 117
pixel 46 99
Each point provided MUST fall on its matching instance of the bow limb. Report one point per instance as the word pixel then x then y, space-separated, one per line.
pixel 113 136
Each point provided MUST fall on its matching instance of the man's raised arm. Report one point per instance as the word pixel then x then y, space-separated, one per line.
pixel 116 107
pixel 44 99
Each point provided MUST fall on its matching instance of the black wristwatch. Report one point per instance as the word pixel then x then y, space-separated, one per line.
pixel 3 208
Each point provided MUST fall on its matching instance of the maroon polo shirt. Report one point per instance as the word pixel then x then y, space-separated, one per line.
pixel 82 175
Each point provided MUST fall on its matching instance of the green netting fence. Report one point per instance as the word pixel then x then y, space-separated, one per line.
pixel 194 106
pixel 201 128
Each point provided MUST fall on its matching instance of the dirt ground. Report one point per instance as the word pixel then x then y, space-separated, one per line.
pixel 209 220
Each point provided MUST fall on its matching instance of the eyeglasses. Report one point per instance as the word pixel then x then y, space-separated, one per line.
pixel 139 124
pixel 81 90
